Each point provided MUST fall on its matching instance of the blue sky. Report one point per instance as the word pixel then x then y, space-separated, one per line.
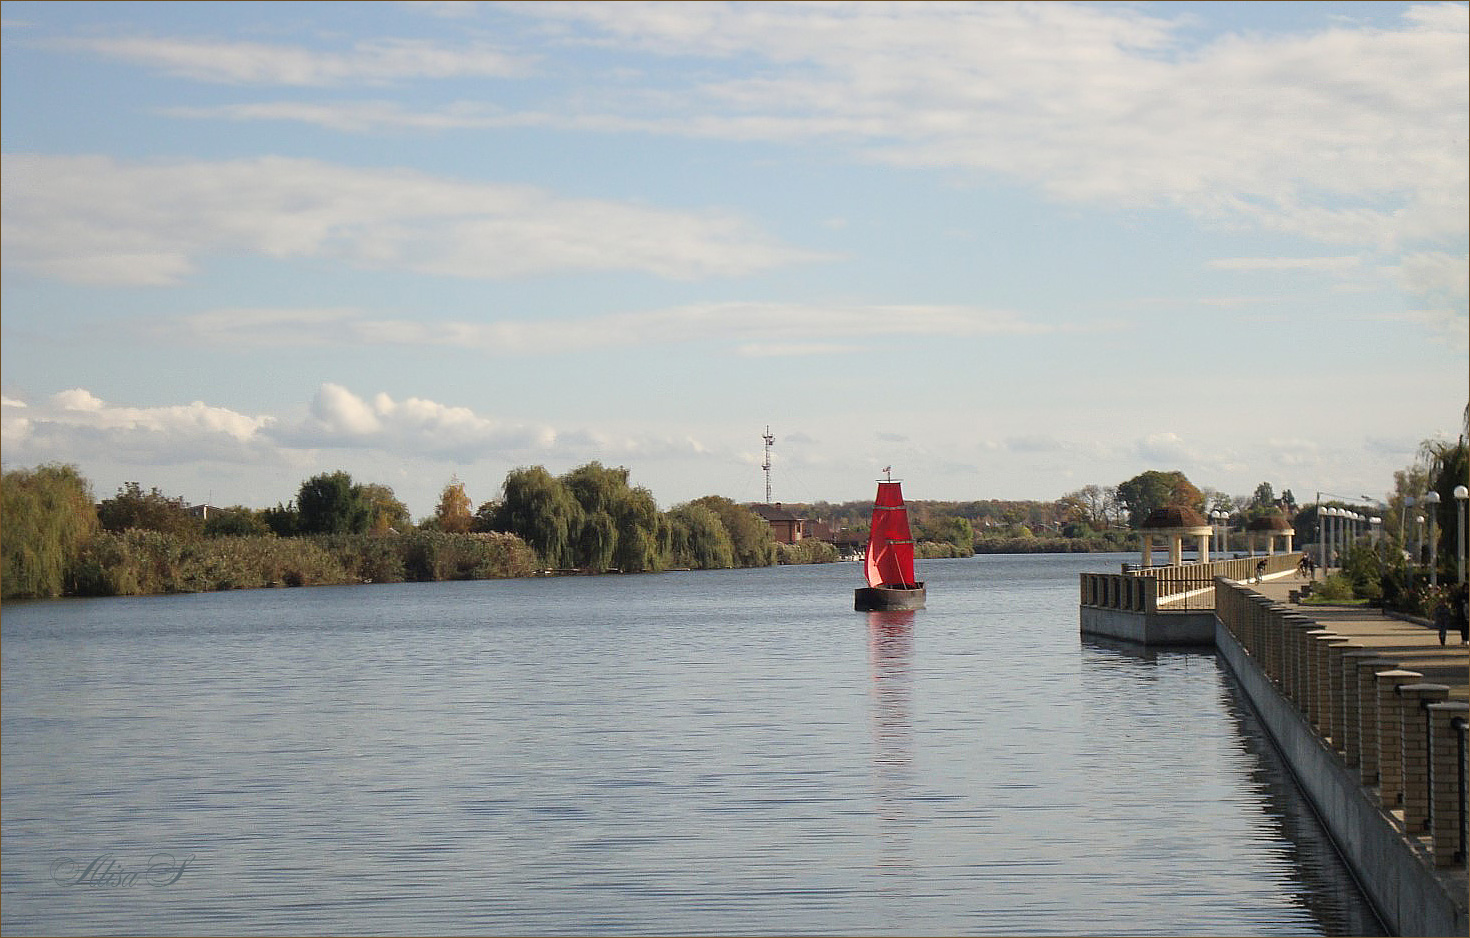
pixel 1010 250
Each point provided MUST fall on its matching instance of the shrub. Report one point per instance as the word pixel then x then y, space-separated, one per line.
pixel 809 550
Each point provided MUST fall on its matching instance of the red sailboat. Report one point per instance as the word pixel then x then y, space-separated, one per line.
pixel 890 559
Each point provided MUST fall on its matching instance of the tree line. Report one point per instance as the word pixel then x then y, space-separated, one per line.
pixel 55 540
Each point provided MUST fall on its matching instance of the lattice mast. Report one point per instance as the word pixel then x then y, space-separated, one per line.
pixel 770 441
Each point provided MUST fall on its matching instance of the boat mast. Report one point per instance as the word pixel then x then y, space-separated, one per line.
pixel 770 441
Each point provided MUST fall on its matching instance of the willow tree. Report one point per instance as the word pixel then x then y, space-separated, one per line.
pixel 542 511
pixel 698 539
pixel 46 518
pixel 621 522
pixel 750 536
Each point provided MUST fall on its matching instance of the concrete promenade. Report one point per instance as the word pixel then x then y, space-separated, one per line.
pixel 1369 710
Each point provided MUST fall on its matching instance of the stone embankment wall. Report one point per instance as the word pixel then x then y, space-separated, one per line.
pixel 1373 724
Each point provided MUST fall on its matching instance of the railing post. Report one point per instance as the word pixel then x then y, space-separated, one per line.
pixel 1362 730
pixel 1351 705
pixel 1322 680
pixel 1416 752
pixel 1336 716
pixel 1297 626
pixel 1390 733
pixel 1312 705
pixel 1447 781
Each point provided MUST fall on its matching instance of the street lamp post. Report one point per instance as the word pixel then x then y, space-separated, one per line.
pixel 1325 517
pixel 1432 500
pixel 1461 493
pixel 1419 540
pixel 1404 516
pixel 1339 518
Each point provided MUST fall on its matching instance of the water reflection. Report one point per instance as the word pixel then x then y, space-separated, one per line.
pixel 890 657
pixel 1326 888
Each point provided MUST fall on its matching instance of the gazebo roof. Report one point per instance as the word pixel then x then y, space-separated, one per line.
pixel 1175 519
pixel 1272 524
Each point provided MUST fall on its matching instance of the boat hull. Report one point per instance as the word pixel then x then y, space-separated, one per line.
pixel 881 598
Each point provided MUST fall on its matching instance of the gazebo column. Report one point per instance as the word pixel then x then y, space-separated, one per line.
pixel 1176 550
pixel 1204 548
pixel 1148 550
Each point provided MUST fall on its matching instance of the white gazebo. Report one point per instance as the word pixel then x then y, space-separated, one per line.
pixel 1270 527
pixel 1175 523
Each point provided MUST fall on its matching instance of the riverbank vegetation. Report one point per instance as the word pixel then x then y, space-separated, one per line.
pixel 56 540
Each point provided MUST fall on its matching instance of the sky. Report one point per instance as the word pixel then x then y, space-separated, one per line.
pixel 1007 250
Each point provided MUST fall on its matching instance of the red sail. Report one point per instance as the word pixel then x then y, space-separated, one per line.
pixel 890 560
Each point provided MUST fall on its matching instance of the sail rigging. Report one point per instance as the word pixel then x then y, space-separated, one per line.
pixel 890 558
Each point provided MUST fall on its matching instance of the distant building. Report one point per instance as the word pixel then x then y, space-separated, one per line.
pixel 786 526
pixel 201 511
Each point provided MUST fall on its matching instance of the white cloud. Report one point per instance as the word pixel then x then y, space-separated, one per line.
pixel 1329 264
pixel 1347 135
pixel 1350 134
pixel 372 61
pixel 1166 449
pixel 76 425
pixel 98 220
pixel 751 328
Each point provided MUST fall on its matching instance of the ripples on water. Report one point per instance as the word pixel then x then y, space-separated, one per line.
pixel 724 752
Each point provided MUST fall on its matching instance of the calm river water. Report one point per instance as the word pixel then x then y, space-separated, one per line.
pixel 727 752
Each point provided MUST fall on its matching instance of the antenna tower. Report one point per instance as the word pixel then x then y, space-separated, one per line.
pixel 770 441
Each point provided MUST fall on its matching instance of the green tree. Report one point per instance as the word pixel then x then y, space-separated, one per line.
pixel 1449 466
pixel 283 520
pixel 385 512
pixel 542 512
pixel 1146 491
pixel 151 511
pixel 631 541
pixel 453 512
pixel 330 504
pixel 750 536
pixel 1264 496
pixel 698 539
pixel 235 521
pixel 486 517
pixel 597 541
pixel 641 531
pixel 46 519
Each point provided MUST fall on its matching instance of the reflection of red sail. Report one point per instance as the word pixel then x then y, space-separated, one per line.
pixel 890 560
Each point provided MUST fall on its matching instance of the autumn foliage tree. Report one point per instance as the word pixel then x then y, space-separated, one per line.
pixel 455 511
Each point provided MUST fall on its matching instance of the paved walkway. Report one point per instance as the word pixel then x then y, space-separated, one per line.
pixel 1413 644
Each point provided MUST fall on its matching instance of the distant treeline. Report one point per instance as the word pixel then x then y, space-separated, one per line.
pixel 57 541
